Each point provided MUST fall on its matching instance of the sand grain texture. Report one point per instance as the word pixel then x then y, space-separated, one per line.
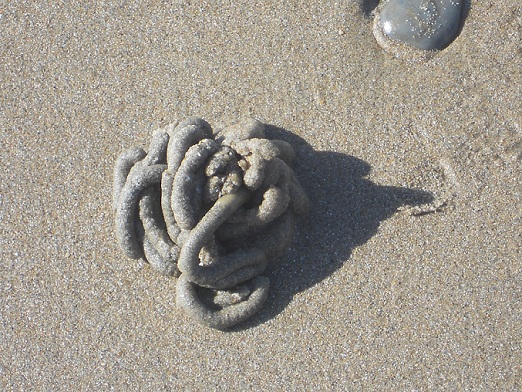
pixel 374 294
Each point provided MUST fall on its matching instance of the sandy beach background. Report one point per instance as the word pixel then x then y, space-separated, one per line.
pixel 405 276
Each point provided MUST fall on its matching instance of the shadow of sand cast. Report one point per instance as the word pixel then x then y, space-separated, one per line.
pixel 346 211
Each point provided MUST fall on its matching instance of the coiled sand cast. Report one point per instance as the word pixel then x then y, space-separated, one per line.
pixel 210 209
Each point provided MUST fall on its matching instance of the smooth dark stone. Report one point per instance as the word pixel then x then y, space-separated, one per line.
pixel 425 24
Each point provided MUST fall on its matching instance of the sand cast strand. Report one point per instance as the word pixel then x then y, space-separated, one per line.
pixel 211 209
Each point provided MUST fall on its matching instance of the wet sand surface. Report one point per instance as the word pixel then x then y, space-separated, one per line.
pixel 406 275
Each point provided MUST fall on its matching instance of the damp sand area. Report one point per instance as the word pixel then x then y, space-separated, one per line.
pixel 404 275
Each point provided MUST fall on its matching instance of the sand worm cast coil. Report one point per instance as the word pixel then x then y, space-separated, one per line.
pixel 212 209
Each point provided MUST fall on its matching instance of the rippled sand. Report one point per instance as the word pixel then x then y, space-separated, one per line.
pixel 407 273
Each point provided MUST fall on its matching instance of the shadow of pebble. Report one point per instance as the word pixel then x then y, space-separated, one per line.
pixel 367 7
pixel 346 211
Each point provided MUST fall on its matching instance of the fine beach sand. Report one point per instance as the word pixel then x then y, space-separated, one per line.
pixel 406 275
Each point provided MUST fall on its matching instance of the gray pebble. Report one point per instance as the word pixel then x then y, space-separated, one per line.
pixel 424 24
